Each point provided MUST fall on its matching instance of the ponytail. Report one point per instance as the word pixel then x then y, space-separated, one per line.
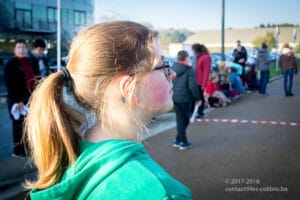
pixel 51 131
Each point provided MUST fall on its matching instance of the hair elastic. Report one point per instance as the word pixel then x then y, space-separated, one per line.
pixel 67 74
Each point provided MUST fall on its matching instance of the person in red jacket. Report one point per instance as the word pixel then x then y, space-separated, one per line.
pixel 20 82
pixel 213 93
pixel 203 68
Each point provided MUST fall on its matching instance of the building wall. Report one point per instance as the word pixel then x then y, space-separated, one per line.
pixel 31 19
pixel 212 38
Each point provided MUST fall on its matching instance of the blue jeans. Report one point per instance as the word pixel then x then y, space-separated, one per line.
pixel 288 76
pixel 263 81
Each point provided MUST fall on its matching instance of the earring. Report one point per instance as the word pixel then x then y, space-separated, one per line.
pixel 124 100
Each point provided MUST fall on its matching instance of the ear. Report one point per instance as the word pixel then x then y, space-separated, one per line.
pixel 124 80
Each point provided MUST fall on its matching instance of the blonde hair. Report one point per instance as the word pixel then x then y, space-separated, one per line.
pixel 98 56
pixel 222 67
pixel 212 76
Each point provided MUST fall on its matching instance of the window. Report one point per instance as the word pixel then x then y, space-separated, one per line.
pixel 23 15
pixel 23 18
pixel 64 16
pixel 39 13
pixel 51 15
pixel 79 18
pixel 89 18
pixel 70 17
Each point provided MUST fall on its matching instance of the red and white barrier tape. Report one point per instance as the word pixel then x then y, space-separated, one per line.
pixel 244 121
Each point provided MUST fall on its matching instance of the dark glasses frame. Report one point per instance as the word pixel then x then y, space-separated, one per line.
pixel 167 69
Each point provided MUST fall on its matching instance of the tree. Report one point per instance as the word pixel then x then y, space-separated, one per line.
pixel 269 39
pixel 262 25
pixel 269 25
pixel 148 25
pixel 172 35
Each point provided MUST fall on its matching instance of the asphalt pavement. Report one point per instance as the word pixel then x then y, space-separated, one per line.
pixel 248 150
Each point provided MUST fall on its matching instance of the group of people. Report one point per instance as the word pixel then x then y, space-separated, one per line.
pixel 117 74
pixel 21 74
pixel 205 87
pixel 287 63
pixel 199 85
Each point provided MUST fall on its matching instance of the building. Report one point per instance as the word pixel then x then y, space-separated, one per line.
pixel 32 19
pixel 212 38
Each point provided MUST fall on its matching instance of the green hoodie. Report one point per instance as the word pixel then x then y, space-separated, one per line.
pixel 114 170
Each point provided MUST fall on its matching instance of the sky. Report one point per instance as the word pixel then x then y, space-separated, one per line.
pixel 199 15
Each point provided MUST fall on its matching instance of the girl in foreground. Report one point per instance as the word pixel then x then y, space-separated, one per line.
pixel 116 74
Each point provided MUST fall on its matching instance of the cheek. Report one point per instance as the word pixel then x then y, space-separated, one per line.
pixel 157 96
pixel 160 93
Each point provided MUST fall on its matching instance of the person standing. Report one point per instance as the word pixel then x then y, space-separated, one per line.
pixel 38 60
pixel 203 68
pixel 288 66
pixel 263 63
pixel 19 80
pixel 123 92
pixel 185 94
pixel 240 56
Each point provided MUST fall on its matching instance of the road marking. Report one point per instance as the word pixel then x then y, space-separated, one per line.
pixel 244 121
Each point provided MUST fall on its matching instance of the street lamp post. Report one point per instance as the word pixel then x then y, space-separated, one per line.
pixel 277 32
pixel 223 24
pixel 294 38
pixel 58 34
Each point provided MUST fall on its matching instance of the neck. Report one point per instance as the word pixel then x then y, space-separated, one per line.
pixel 185 62
pixel 130 130
pixel 100 133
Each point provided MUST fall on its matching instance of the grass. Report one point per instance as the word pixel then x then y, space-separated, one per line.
pixel 276 72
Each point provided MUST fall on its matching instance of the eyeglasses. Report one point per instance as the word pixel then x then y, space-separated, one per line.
pixel 167 70
pixel 166 67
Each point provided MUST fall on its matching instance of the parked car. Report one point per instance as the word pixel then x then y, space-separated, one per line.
pixel 216 58
pixel 53 63
pixel 274 56
pixel 251 59
pixel 169 60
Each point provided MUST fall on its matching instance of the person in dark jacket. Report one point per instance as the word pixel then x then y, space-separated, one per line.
pixel 185 94
pixel 38 60
pixel 20 81
pixel 263 63
pixel 240 56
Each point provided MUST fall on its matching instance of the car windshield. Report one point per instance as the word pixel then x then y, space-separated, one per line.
pixel 218 57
